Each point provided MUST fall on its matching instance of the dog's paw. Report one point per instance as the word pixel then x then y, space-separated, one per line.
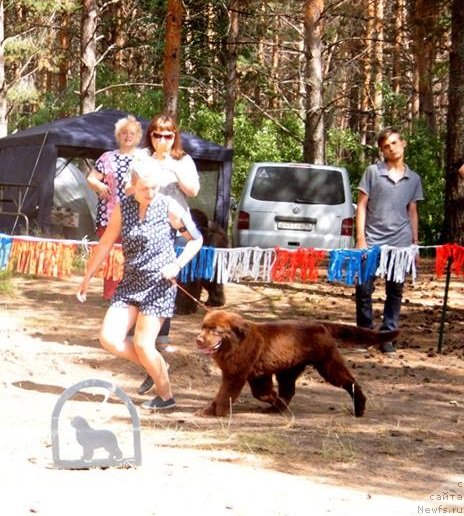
pixel 359 401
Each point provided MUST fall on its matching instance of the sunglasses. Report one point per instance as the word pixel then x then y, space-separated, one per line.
pixel 159 136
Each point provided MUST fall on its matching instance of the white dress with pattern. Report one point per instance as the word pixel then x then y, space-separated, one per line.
pixel 147 246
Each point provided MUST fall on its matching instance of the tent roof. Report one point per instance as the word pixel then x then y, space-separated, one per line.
pixel 29 158
pixel 91 134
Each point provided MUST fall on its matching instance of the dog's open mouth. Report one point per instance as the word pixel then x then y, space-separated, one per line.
pixel 208 350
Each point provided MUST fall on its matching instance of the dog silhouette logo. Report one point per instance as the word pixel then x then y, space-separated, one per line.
pixel 97 447
pixel 92 439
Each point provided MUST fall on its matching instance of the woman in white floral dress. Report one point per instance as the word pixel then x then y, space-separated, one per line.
pixel 147 222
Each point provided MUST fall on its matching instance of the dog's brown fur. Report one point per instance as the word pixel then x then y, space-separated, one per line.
pixel 254 352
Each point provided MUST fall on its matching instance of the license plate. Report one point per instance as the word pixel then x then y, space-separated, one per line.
pixel 298 226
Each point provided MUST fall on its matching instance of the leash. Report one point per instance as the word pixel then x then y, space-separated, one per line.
pixel 193 298
pixel 200 304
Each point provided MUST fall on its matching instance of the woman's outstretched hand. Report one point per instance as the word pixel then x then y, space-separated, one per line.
pixel 81 294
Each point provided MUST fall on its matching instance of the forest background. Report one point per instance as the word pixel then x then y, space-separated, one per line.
pixel 311 80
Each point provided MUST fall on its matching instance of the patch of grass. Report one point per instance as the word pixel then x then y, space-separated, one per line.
pixel 268 443
pixel 6 285
pixel 80 261
pixel 336 447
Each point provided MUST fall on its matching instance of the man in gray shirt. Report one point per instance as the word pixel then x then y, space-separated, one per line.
pixel 386 215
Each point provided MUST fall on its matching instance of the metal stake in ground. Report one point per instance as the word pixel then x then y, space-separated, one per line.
pixel 445 305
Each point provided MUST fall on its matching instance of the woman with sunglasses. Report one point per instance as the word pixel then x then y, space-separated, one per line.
pixel 163 144
pixel 179 180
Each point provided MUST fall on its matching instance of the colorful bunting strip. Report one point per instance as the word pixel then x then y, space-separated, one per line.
pixel 301 263
pixel 56 258
pixel 113 265
pixel 351 265
pixel 396 262
pixel 201 266
pixel 453 251
pixel 243 263
pixel 5 248
pixel 42 258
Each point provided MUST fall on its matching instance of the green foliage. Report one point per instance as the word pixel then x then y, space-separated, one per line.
pixel 45 6
pixel 23 92
pixel 262 140
pixel 48 107
pixel 144 101
pixel 254 140
pixel 424 154
pixel 394 106
pixel 18 48
pixel 204 122
pixel 343 149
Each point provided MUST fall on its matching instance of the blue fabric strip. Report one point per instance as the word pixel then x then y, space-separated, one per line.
pixel 349 265
pixel 5 248
pixel 200 267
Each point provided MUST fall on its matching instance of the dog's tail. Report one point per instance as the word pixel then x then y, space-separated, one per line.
pixel 356 334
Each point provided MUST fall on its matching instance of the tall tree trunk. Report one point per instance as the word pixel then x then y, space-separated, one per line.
pixel 301 91
pixel 63 64
pixel 3 88
pixel 263 21
pixel 231 68
pixel 424 20
pixel 398 44
pixel 378 65
pixel 172 51
pixel 365 94
pixel 119 36
pixel 275 100
pixel 211 35
pixel 454 191
pixel 313 148
pixel 88 56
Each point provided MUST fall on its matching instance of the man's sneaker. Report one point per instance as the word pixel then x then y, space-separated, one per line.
pixel 387 348
pixel 146 385
pixel 159 404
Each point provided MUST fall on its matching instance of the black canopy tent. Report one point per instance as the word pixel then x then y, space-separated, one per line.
pixel 29 158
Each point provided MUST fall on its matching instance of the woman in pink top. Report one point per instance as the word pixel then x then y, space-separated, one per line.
pixel 109 177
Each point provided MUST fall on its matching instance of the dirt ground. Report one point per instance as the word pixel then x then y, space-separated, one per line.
pixel 410 443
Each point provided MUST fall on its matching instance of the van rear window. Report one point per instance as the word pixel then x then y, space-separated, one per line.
pixel 298 185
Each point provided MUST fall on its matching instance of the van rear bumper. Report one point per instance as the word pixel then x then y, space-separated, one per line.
pixel 291 240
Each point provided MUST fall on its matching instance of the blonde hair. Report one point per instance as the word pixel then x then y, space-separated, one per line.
pixel 144 168
pixel 129 120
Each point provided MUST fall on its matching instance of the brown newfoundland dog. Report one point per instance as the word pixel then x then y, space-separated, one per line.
pixel 254 352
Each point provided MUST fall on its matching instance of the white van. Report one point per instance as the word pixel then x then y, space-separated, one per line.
pixel 295 205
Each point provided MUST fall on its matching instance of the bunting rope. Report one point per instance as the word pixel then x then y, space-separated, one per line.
pixel 58 258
